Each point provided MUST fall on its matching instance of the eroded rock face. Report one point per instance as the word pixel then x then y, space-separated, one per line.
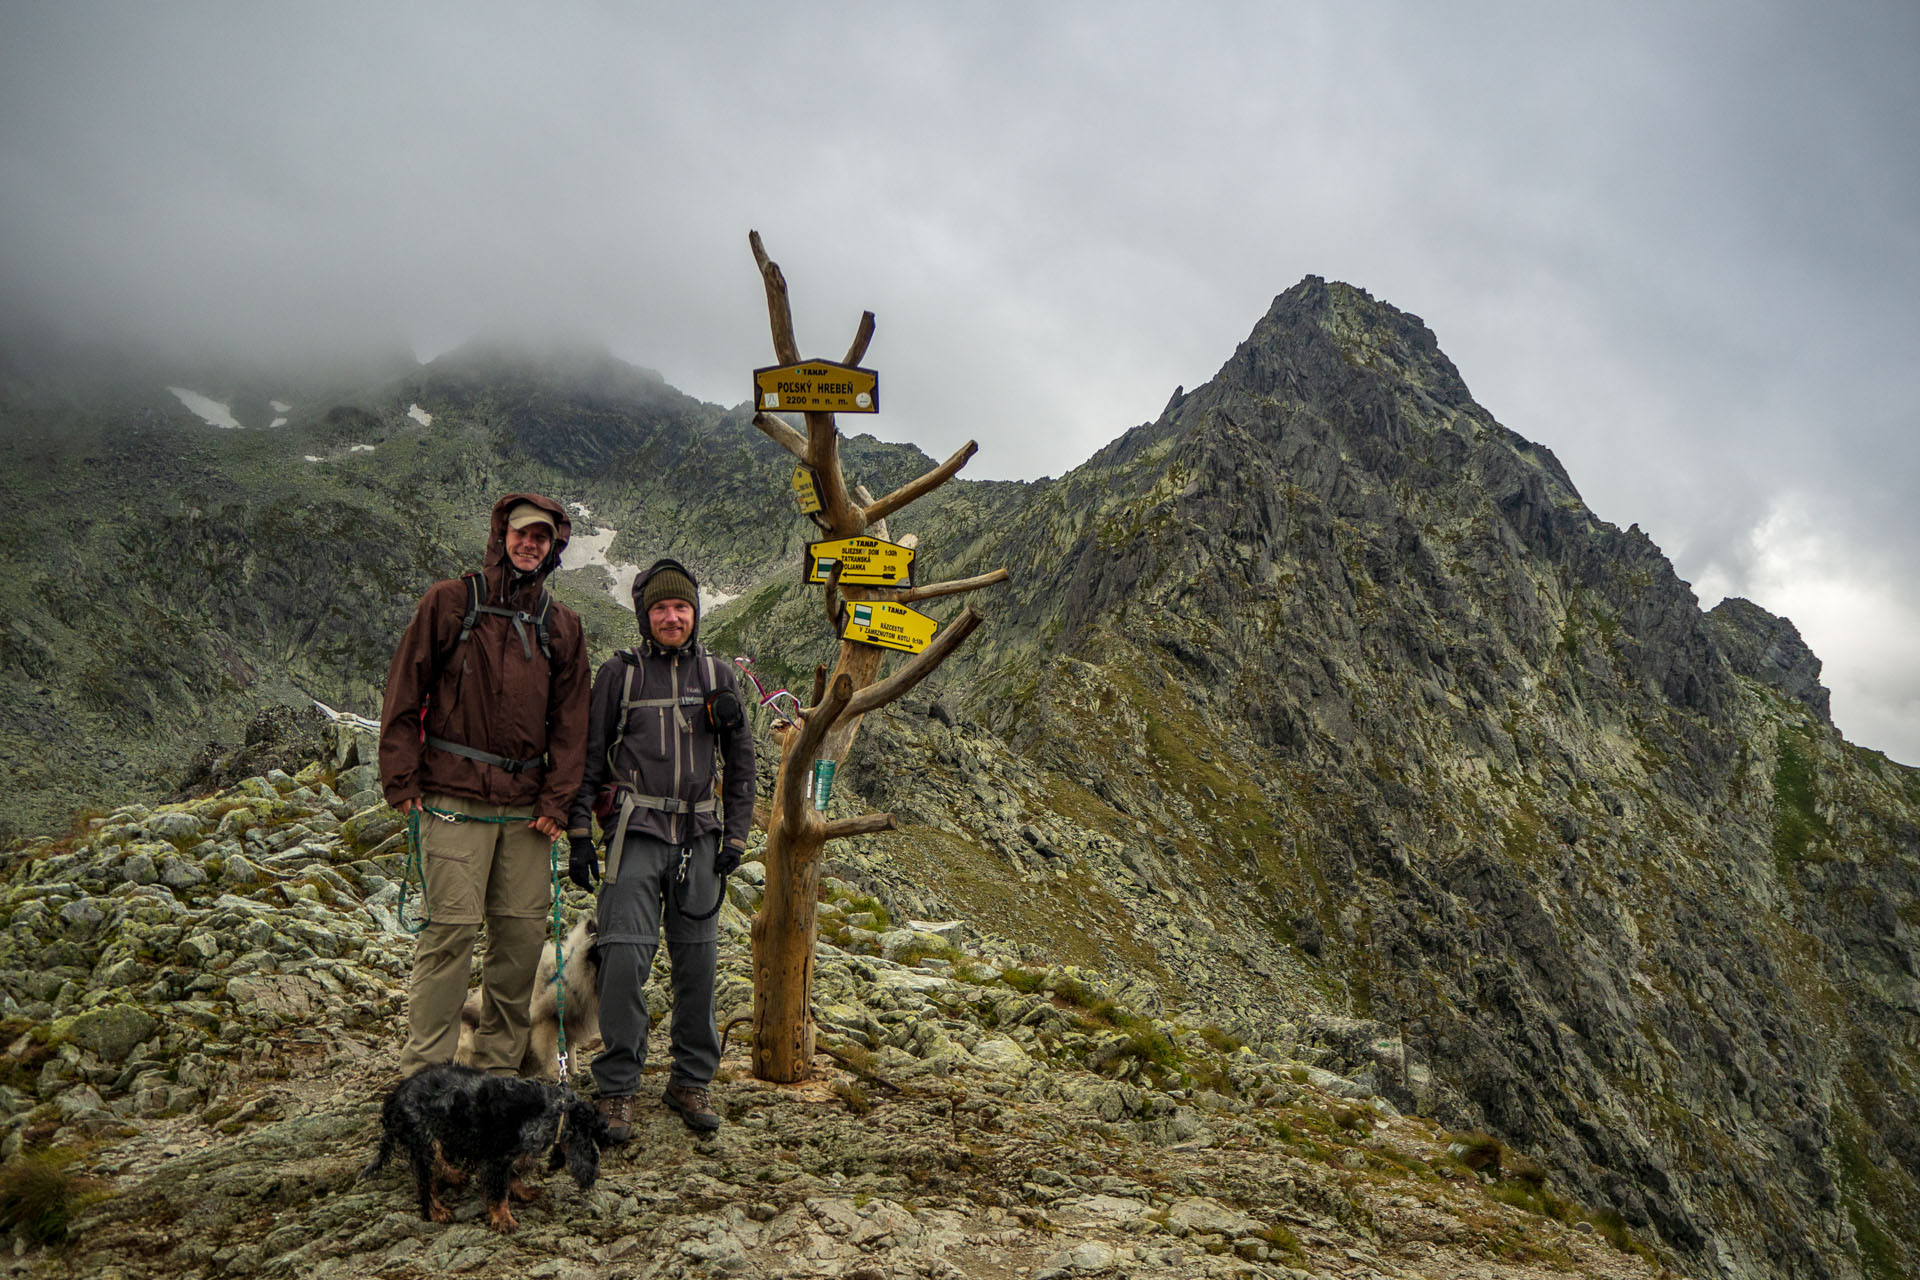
pixel 1769 649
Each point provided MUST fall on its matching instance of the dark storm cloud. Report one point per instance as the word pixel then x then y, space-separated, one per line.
pixel 1678 244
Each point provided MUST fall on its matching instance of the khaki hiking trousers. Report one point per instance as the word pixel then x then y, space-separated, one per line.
pixel 499 872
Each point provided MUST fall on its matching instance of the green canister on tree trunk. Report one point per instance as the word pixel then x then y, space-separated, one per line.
pixel 822 784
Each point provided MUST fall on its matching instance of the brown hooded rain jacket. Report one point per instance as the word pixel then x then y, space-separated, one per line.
pixel 496 693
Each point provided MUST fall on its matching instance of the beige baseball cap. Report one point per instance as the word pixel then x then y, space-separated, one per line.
pixel 525 513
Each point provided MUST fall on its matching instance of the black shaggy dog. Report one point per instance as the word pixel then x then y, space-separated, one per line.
pixel 452 1119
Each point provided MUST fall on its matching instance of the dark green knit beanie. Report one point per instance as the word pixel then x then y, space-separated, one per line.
pixel 668 584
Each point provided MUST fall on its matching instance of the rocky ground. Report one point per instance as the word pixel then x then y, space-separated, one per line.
pixel 202 1007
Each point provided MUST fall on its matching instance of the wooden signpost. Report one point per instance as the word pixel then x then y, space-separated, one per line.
pixel 868 613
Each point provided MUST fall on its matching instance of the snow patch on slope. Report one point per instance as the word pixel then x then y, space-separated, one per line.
pixel 594 541
pixel 209 410
pixel 339 453
pixel 591 543
pixel 419 415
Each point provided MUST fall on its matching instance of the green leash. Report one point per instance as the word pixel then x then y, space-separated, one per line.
pixel 416 866
pixel 559 960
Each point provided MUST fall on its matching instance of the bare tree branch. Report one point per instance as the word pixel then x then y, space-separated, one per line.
pixel 783 435
pixel 934 590
pixel 798 758
pixel 844 519
pixel 861 338
pixel 762 816
pixel 816 720
pixel 878 528
pixel 819 684
pixel 920 488
pixel 779 313
pixel 881 693
pixel 865 824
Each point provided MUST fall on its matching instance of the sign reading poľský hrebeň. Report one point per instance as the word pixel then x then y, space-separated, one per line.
pixel 864 562
pixel 817 386
pixel 891 626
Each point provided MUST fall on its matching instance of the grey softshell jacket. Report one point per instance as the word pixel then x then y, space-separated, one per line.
pixel 667 749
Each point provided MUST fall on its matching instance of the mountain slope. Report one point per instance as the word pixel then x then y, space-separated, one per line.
pixel 1320 707
pixel 1334 691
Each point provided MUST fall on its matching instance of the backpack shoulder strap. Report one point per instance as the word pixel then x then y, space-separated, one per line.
pixel 620 721
pixel 475 598
pixel 440 660
pixel 540 625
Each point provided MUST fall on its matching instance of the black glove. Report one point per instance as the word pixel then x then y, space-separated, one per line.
pixel 726 861
pixel 583 862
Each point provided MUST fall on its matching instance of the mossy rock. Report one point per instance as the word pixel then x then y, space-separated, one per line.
pixel 111 1032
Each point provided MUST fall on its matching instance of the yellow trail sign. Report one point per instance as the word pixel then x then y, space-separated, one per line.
pixel 891 626
pixel 864 562
pixel 817 386
pixel 806 489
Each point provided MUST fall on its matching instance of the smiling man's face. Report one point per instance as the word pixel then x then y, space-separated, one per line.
pixel 527 547
pixel 671 622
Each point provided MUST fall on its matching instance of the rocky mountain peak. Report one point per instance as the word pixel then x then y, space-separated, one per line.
pixel 1768 648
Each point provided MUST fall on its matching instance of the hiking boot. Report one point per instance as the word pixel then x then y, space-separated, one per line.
pixel 619 1116
pixel 694 1105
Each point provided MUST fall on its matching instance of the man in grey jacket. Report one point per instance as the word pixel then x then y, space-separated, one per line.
pixel 670 763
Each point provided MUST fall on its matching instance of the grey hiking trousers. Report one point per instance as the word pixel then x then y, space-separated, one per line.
pixel 631 909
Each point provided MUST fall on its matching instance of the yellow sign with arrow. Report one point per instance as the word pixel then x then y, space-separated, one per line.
pixel 891 626
pixel 806 489
pixel 864 562
pixel 817 386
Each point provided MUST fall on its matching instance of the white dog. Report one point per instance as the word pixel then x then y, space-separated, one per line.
pixel 583 1007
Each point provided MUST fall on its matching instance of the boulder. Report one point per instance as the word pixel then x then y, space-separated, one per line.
pixel 897 944
pixel 1002 1056
pixel 178 873
pixel 1202 1216
pixel 110 1032
pixel 176 826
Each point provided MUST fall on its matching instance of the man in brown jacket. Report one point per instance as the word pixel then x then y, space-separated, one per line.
pixel 486 719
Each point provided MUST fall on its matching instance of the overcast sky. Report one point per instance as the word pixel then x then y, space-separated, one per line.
pixel 1677 243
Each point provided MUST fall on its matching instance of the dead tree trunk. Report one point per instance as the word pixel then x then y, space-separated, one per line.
pixel 784 929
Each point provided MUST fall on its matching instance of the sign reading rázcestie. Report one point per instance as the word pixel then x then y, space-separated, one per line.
pixel 864 562
pixel 892 626
pixel 817 386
